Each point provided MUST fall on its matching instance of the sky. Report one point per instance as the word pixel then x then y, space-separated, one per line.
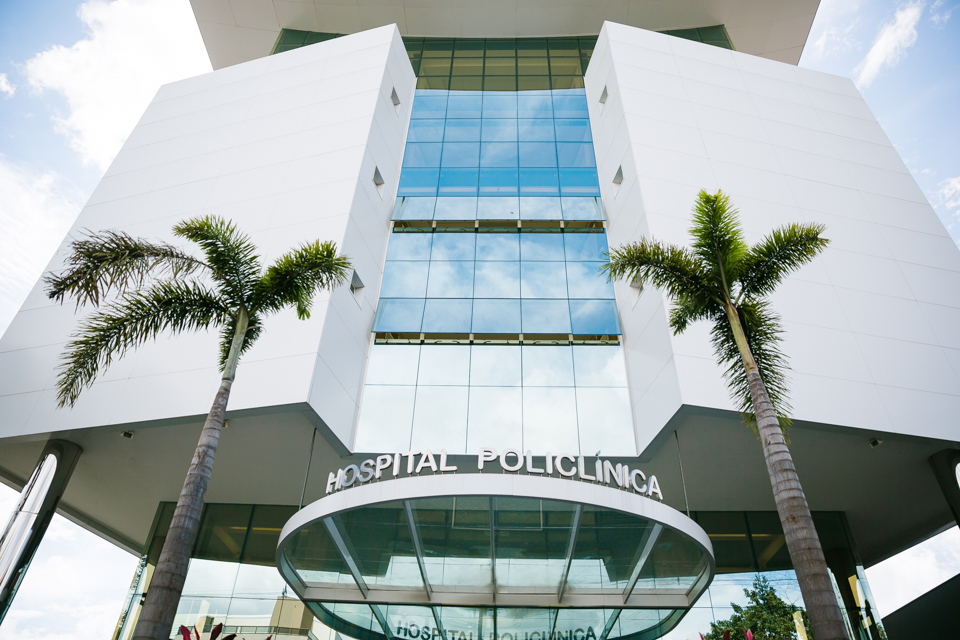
pixel 74 79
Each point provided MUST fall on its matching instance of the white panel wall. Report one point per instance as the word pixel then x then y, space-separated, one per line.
pixel 285 147
pixel 872 326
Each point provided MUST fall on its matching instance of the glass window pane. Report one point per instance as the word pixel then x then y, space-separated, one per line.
pixel 441 83
pixel 422 154
pixel 500 83
pixel 498 182
pixel 585 246
pixel 393 364
pixel 533 83
pixel 550 420
pixel 468 66
pixel 451 245
pixel 467 48
pixel 425 131
pixel 540 130
pixel 497 280
pixel 386 418
pixel 498 246
pixel 447 316
pixel 582 209
pixel 498 130
pixel 538 154
pixel 547 366
pixel 418 182
pixel 497 316
pixel 541 246
pixel 500 67
pixel 539 182
pixel 599 366
pixel 399 315
pixel 496 415
pixel 500 105
pixel 414 208
pixel 585 280
pixel 261 549
pixel 545 316
pixel 594 317
pixel 450 280
pixel 211 578
pixel 223 531
pixel 543 280
pixel 579 182
pixel 540 209
pixel 569 106
pixel 498 154
pixel 606 422
pixel 576 154
pixel 532 67
pixel 407 280
pixel 444 364
pixel 565 67
pixel 532 47
pixel 573 130
pixel 429 104
pixel 458 182
pixel 456 209
pixel 461 154
pixel 435 67
pixel 466 130
pixel 502 208
pixel 440 419
pixel 494 365
pixel 464 104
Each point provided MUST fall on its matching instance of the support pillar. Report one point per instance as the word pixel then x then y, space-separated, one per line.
pixel 29 521
pixel 945 469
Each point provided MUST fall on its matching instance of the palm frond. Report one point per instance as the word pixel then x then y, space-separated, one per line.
pixel 717 237
pixel 764 335
pixel 296 276
pixel 688 310
pixel 674 269
pixel 172 305
pixel 114 261
pixel 783 251
pixel 228 251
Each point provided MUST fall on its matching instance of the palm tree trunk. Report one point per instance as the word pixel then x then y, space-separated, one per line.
pixel 806 554
pixel 163 594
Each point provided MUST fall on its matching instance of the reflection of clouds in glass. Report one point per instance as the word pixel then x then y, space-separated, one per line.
pixel 453 246
pixel 547 366
pixel 440 419
pixel 545 316
pixel 442 364
pixel 543 280
pixel 386 416
pixel 585 280
pixel 495 366
pixel 497 280
pixel 549 419
pixel 599 366
pixel 393 364
pixel 450 279
pixel 405 281
pixel 605 421
pixel 495 417
pixel 498 246
pixel 496 316
pixel 541 246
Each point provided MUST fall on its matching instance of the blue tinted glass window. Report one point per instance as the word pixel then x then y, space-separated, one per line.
pixel 399 315
pixel 414 208
pixel 498 154
pixel 498 208
pixel 429 104
pixel 462 131
pixel 579 182
pixel 538 154
pixel 461 154
pixel 541 246
pixel 586 280
pixel 499 104
pixel 499 130
pixel 535 105
pixel 496 316
pixel 573 130
pixel 585 246
pixel 418 182
pixel 545 316
pixel 576 154
pixel 536 130
pixel 425 131
pixel 450 280
pixel 582 209
pixel 447 316
pixel 570 106
pixel 409 246
pixel 495 182
pixel 453 246
pixel 422 154
pixel 458 182
pixel 497 280
pixel 543 280
pixel 539 182
pixel 464 104
pixel 594 317
pixel 456 209
pixel 404 280
pixel 498 246
pixel 540 209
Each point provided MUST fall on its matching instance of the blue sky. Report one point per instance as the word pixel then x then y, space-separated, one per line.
pixel 74 78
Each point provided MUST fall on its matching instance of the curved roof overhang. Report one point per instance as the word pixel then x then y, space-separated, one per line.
pixel 415 555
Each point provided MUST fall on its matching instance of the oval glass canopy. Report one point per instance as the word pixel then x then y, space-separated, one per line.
pixel 487 557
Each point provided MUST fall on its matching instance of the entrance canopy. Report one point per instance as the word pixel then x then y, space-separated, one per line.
pixel 487 556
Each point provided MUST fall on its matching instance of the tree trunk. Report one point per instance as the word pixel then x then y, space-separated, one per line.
pixel 806 554
pixel 163 593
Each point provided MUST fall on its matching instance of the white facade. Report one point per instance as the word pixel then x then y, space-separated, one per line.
pixel 871 325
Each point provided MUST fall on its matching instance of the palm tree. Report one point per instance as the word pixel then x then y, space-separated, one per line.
pixel 723 280
pixel 161 288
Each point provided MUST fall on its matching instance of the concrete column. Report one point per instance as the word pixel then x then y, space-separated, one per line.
pixel 29 521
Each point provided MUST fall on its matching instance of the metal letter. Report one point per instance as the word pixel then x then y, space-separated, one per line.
pixel 503 460
pixel 410 455
pixel 383 463
pixel 486 455
pixel 565 473
pixel 583 471
pixel 366 470
pixel 426 460
pixel 443 462
pixel 530 467
pixel 633 480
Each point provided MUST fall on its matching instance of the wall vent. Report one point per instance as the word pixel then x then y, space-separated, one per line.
pixel 618 178
pixel 394 97
pixel 603 96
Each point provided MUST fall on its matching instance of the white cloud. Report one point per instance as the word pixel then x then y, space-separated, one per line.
pixel 833 28
pixel 36 210
pixel 939 16
pixel 108 79
pixel 949 193
pixel 5 86
pixel 910 574
pixel 892 42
